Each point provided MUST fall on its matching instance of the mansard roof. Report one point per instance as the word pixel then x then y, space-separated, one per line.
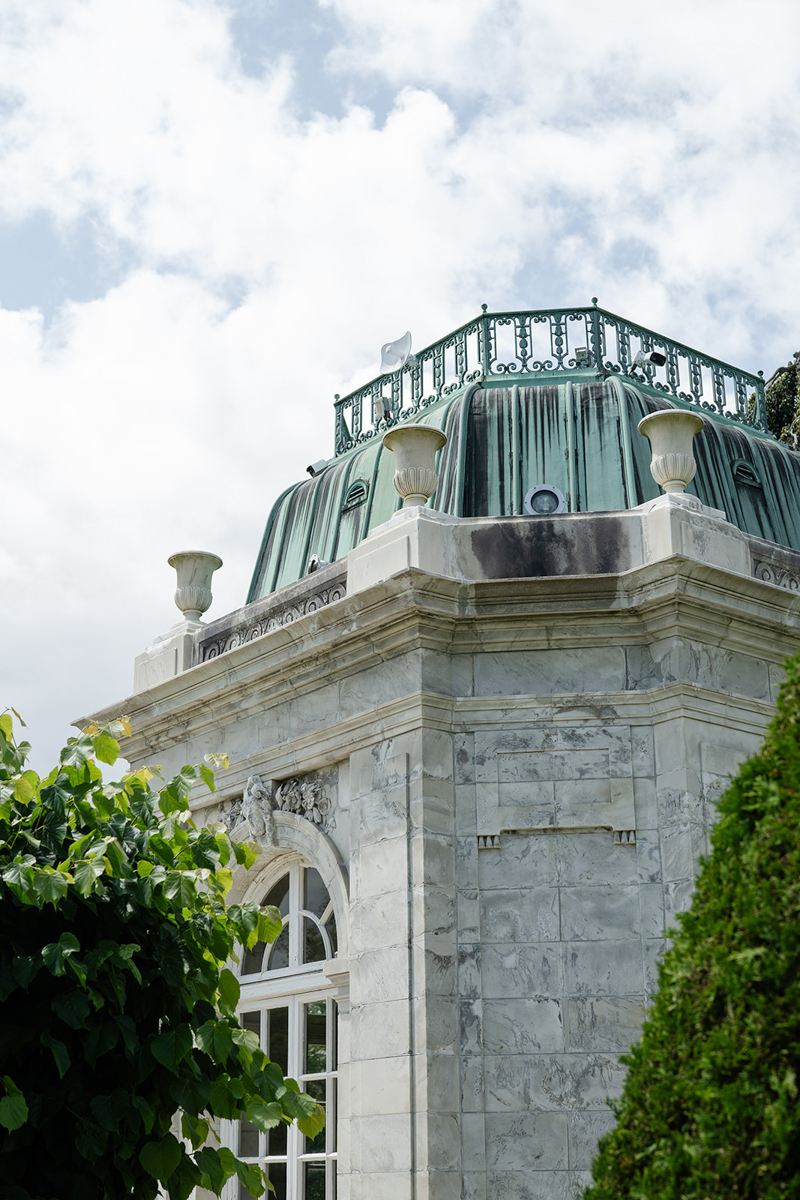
pixel 550 397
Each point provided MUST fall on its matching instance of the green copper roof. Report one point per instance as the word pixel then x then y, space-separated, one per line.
pixel 574 429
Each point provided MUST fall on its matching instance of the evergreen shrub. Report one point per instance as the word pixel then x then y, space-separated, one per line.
pixel 710 1109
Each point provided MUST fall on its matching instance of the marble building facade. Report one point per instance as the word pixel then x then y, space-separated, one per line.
pixel 501 764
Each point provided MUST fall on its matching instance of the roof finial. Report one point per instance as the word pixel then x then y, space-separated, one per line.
pixel 594 301
pixel 484 307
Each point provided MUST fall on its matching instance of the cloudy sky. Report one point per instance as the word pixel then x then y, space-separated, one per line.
pixel 212 213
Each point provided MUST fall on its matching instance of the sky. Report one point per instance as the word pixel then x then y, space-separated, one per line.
pixel 214 212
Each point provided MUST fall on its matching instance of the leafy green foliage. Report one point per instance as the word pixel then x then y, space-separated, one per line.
pixel 782 397
pixel 118 1008
pixel 711 1109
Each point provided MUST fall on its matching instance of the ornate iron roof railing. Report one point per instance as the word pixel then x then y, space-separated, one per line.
pixel 547 341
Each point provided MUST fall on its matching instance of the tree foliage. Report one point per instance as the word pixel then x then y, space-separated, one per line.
pixel 118 1009
pixel 782 396
pixel 710 1109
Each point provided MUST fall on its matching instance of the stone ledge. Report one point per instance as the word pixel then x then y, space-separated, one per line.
pixel 283 607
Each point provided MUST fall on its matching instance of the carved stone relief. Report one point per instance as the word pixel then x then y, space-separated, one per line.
pixel 274 620
pixel 262 798
pixel 773 572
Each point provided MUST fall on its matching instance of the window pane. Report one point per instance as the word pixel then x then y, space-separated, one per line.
pixel 279 958
pixel 254 959
pixel 277 1176
pixel 278 1044
pixel 251 1021
pixel 315 1180
pixel 316 1088
pixel 279 896
pixel 248 1140
pixel 315 1036
pixel 276 1141
pixel 313 945
pixel 315 896
pixel 330 929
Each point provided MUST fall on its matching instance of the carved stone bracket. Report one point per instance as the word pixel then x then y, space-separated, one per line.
pixel 262 798
pixel 273 620
pixel 777 574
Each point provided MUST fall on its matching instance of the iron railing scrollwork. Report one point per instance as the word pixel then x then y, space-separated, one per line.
pixel 547 341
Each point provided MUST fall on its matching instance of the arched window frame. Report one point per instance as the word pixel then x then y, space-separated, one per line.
pixel 299 844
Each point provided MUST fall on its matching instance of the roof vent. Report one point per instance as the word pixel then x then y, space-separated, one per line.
pixel 745 472
pixel 356 494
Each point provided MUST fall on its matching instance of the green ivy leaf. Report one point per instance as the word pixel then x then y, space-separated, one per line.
pixel 77 752
pixel 147 1114
pixel 244 853
pixel 91 1140
pixel 72 1009
pixel 170 1047
pixel 270 924
pixel 195 1129
pixel 19 876
pixel 13 1109
pixel 222 880
pixel 59 1052
pixel 247 1041
pixel 106 747
pixel 161 1158
pixel 209 1162
pixel 23 791
pixel 229 992
pixel 251 1178
pixel 180 887
pixel 263 1115
pixel 103 1113
pixel 51 885
pixel 207 776
pixel 86 875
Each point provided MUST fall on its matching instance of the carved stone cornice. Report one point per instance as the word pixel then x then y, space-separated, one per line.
pixel 777 573
pixel 283 607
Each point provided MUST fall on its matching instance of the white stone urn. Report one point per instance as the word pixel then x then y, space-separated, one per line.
pixel 194 569
pixel 671 432
pixel 414 448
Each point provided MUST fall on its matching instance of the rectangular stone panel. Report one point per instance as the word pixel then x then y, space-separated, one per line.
pixel 550 777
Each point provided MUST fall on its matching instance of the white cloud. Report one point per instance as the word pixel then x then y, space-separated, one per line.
pixel 533 155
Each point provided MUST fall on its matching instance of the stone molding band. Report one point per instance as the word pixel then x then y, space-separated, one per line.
pixel 274 620
pixel 777 574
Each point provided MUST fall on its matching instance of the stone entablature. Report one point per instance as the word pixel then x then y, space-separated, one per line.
pixel 477 549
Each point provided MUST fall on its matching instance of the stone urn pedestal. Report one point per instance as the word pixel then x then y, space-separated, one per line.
pixel 194 569
pixel 671 433
pixel 173 652
pixel 414 448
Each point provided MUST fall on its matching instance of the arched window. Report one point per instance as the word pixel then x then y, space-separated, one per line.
pixel 287 1001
